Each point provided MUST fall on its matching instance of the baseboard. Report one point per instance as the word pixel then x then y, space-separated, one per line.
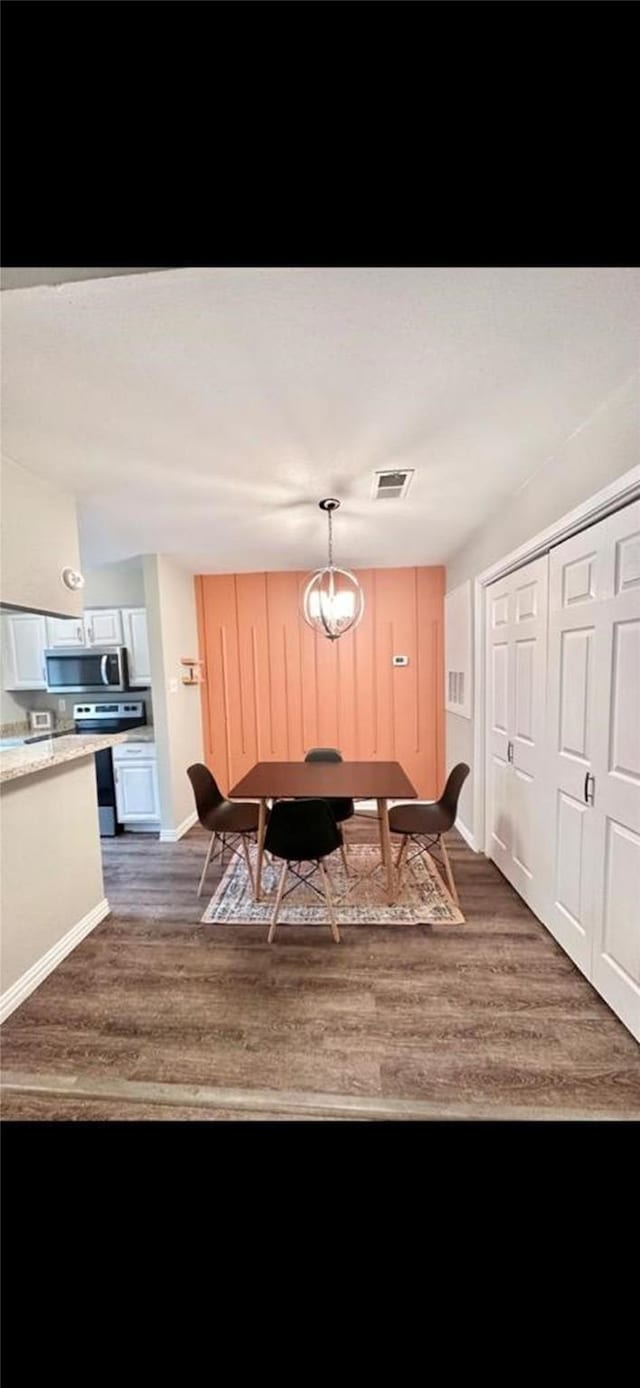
pixel 29 981
pixel 466 834
pixel 172 835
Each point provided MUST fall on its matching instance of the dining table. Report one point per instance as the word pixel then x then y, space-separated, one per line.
pixel 381 781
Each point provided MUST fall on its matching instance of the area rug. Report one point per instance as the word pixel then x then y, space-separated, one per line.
pixel 359 899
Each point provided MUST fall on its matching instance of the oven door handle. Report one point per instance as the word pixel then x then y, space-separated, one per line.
pixel 103 669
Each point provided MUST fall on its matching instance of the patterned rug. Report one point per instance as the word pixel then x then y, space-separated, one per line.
pixel 359 899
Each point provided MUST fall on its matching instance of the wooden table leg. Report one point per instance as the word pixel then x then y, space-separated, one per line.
pixel 262 827
pixel 385 844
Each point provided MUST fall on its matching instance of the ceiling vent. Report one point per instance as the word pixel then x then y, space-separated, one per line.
pixel 392 485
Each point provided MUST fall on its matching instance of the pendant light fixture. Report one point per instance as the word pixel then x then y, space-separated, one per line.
pixel 333 601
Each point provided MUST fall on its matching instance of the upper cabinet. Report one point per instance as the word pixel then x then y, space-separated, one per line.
pixel 99 626
pixel 65 632
pixel 23 642
pixel 136 640
pixel 103 626
pixel 26 636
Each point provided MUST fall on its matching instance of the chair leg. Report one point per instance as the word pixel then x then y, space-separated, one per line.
pixel 344 859
pixel 274 918
pixel 401 857
pixel 452 885
pixel 248 862
pixel 327 891
pixel 206 863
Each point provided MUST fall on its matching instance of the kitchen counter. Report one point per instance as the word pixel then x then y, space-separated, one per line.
pixel 144 734
pixel 39 756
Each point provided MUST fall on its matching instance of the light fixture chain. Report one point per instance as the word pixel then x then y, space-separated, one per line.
pixel 330 519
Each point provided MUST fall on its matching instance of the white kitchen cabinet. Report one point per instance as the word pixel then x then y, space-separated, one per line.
pixel 137 786
pixel 65 632
pixel 136 640
pixel 26 636
pixel 103 626
pixel 23 642
pixel 97 627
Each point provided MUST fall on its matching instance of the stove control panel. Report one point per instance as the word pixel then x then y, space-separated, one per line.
pixel 120 710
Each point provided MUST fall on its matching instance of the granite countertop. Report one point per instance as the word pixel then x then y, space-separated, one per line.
pixel 39 756
pixel 145 734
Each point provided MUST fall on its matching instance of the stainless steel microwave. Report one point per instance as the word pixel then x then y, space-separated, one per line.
pixel 84 672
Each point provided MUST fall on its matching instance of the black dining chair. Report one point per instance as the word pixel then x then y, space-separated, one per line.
pixel 302 831
pixel 429 820
pixel 341 808
pixel 225 819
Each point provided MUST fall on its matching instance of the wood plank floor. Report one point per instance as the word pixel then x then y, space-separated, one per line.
pixel 155 1016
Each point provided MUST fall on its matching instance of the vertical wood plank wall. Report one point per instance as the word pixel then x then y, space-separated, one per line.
pixel 273 689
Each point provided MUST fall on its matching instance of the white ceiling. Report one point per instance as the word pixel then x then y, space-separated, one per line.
pixel 204 412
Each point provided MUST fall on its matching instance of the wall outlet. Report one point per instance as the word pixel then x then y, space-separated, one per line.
pixel 62 705
pixel 400 660
pixel 173 686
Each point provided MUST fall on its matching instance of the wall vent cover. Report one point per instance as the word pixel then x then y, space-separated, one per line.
pixel 392 484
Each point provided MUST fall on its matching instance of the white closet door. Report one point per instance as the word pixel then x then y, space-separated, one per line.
pixel 577 584
pixel 516 682
pixel 616 788
pixel 499 655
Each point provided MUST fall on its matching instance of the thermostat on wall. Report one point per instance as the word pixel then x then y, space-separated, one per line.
pixel 400 660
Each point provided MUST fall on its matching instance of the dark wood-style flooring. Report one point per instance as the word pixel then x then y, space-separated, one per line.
pixel 155 1016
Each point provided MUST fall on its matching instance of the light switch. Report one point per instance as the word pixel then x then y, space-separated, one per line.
pixel 173 686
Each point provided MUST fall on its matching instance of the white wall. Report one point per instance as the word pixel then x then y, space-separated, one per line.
pixel 173 633
pixel 51 863
pixel 114 585
pixel 600 450
pixel 38 538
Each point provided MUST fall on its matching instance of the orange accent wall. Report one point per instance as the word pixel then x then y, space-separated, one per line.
pixel 273 689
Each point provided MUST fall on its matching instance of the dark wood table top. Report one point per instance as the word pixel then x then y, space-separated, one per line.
pixel 350 780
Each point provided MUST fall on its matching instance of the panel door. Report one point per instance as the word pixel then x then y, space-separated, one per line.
pixel 103 626
pixel 136 639
pixel 527 700
pixel 24 643
pixel 616 790
pixel 577 585
pixel 136 791
pixel 499 657
pixel 516 680
pixel 65 632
